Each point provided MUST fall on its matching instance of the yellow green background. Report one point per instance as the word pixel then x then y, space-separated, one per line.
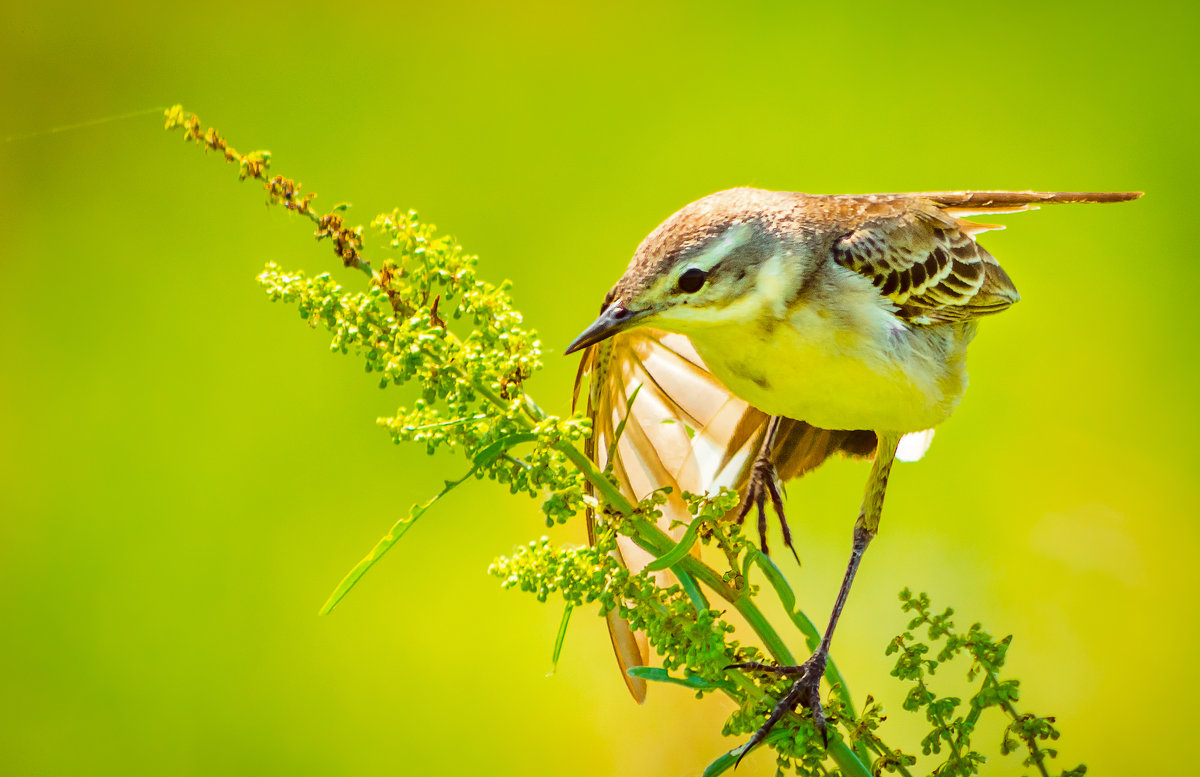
pixel 185 472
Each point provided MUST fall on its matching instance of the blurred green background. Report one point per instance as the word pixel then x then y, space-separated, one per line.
pixel 187 472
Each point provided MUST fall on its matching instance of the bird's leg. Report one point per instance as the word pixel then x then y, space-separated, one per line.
pixel 764 483
pixel 806 689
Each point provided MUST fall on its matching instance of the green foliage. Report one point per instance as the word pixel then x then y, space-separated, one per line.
pixel 695 641
pixel 425 320
pixel 949 732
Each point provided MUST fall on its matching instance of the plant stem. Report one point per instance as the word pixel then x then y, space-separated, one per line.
pixel 875 748
pixel 1030 742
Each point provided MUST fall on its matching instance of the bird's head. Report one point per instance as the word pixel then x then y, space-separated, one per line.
pixel 705 266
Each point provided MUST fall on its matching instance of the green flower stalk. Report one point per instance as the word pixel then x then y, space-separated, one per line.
pixel 424 318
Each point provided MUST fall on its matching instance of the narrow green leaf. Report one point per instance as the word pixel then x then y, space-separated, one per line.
pixel 677 553
pixel 562 635
pixel 783 590
pixel 688 583
pixel 620 430
pixel 384 545
pixel 724 763
pixel 489 453
pixel 659 675
pixel 788 598
pixel 655 673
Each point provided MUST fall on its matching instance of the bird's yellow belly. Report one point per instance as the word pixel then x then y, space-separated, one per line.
pixel 885 378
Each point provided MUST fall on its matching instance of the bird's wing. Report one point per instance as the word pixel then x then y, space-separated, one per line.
pixel 685 430
pixel 926 262
pixel 918 249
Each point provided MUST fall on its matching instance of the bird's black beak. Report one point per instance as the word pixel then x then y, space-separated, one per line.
pixel 614 319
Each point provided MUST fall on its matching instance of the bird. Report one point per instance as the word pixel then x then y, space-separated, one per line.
pixel 756 333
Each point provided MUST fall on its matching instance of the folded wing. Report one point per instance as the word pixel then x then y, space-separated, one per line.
pixel 920 252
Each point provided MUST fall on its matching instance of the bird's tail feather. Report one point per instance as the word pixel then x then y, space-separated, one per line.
pixel 1001 201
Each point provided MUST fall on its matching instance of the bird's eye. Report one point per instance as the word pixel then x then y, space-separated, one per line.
pixel 692 280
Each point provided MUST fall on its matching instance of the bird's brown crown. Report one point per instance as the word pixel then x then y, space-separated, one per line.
pixel 691 229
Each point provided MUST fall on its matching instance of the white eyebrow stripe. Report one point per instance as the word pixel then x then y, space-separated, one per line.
pixel 733 238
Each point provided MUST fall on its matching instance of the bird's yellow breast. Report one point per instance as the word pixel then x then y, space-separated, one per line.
pixel 843 364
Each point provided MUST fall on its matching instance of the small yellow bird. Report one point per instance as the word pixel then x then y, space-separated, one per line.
pixel 769 330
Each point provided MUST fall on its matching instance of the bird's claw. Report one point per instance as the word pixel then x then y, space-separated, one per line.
pixel 805 691
pixel 764 484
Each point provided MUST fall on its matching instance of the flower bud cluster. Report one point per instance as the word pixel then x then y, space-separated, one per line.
pixel 471 388
pixel 693 640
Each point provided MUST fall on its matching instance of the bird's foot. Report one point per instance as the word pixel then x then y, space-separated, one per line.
pixel 763 485
pixel 805 691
